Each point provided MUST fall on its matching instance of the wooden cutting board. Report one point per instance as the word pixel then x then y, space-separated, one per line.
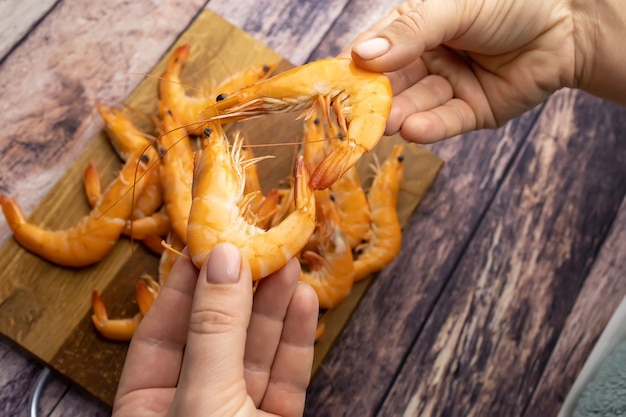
pixel 46 309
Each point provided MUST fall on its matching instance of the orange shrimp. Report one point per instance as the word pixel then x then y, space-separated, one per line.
pixel 126 138
pixel 176 171
pixel 331 272
pixel 216 216
pixel 146 291
pixel 244 78
pixel 352 206
pixel 157 224
pixel 349 197
pixel 361 100
pixel 314 149
pixel 122 330
pixel 94 235
pixel 385 235
pixel 187 108
pixel 92 184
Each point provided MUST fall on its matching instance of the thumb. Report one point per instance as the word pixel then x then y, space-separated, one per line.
pixel 418 27
pixel 216 340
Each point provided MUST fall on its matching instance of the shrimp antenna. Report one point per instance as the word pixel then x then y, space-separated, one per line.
pixel 170 248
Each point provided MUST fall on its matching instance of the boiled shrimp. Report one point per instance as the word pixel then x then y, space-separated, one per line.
pixel 330 268
pixel 146 291
pixel 157 224
pixel 360 99
pixel 216 215
pixel 187 108
pixel 95 234
pixel 176 170
pixel 126 138
pixel 385 234
pixel 352 206
pixel 122 330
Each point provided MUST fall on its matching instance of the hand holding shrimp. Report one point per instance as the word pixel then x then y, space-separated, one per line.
pixel 360 99
pixel 216 215
pixel 233 347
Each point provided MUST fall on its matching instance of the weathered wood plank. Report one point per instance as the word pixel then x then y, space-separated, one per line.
pixel 76 403
pixel 488 339
pixel 601 294
pixel 17 19
pixel 358 16
pixel 400 301
pixel 291 28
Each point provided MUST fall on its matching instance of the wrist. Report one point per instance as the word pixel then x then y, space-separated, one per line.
pixel 600 59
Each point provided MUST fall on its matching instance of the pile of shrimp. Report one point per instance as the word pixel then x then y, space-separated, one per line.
pixel 174 192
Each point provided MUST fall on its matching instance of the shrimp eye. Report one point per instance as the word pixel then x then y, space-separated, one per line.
pixel 221 97
pixel 316 121
pixel 266 68
pixel 332 197
pixel 208 131
pixel 145 158
pixel 401 158
pixel 169 112
pixel 162 150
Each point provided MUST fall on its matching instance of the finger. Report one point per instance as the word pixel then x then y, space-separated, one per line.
pixel 271 300
pixel 156 350
pixel 291 371
pixel 407 76
pixel 217 332
pixel 420 27
pixel 451 119
pixel 429 93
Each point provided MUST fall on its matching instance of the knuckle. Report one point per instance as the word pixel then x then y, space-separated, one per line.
pixel 212 321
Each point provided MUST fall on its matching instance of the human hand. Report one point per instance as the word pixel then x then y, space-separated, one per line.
pixel 457 66
pixel 205 348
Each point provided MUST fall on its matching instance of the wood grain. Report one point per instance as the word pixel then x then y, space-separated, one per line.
pixel 404 294
pixel 604 288
pixel 16 20
pixel 485 345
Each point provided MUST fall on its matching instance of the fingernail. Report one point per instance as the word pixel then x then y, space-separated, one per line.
pixel 372 48
pixel 224 264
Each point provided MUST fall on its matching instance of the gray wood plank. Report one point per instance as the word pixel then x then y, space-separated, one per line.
pixel 491 333
pixel 604 287
pixel 17 18
pixel 291 28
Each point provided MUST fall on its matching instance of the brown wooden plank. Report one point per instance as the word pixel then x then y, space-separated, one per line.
pixel 601 294
pixel 17 18
pixel 488 339
pixel 403 295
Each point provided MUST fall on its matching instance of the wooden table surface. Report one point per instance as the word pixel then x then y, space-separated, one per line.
pixel 509 270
